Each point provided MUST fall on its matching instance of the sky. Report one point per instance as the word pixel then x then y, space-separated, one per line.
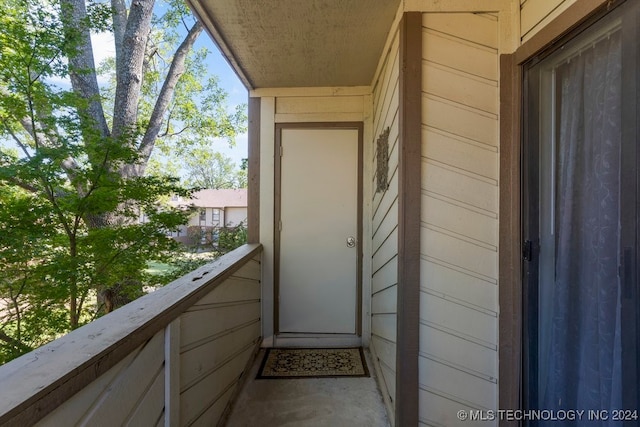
pixel 103 48
pixel 230 82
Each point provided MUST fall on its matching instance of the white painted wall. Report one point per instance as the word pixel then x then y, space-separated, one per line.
pixel 234 216
pixel 195 220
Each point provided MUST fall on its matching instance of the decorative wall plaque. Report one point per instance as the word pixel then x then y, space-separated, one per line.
pixel 382 165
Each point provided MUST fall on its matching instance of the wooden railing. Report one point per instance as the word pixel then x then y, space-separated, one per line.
pixel 173 357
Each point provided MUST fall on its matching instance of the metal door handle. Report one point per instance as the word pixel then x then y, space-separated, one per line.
pixel 351 242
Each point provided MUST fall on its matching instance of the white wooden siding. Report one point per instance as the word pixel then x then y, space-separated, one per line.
pixel 214 341
pixel 386 276
pixel 110 399
pixel 462 153
pixel 335 108
pixel 459 120
pixel 536 14
pixel 385 227
pixel 458 361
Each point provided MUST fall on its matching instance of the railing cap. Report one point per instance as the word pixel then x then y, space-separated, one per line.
pixel 69 363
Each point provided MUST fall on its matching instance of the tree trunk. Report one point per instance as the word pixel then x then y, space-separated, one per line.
pixel 82 68
pixel 166 94
pixel 130 60
pixel 131 34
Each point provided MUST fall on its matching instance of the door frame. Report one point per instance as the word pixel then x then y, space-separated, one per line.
pixel 512 369
pixel 359 126
pixel 629 184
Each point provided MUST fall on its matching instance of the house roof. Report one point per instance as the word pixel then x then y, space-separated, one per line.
pixel 218 199
pixel 299 43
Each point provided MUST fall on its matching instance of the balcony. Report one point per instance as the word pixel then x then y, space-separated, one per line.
pixel 177 356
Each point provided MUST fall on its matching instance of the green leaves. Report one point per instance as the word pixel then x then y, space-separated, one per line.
pixel 99 14
pixel 31 314
pixel 54 258
pixel 79 220
pixel 31 43
pixel 209 169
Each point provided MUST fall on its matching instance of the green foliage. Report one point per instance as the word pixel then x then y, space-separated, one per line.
pixel 182 263
pixel 218 239
pixel 53 263
pixel 208 169
pixel 31 314
pixel 207 244
pixel 72 242
pixel 199 115
pixel 231 238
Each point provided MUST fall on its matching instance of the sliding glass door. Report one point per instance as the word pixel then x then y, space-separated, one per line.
pixel 580 224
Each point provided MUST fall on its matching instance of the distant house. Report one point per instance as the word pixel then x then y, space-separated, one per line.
pixel 214 208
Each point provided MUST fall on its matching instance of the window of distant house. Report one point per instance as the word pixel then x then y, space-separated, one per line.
pixel 216 215
pixel 203 214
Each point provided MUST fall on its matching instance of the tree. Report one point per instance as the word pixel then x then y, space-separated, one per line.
pixel 30 312
pixel 71 197
pixel 207 169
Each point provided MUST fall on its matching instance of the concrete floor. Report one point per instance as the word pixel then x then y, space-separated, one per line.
pixel 317 402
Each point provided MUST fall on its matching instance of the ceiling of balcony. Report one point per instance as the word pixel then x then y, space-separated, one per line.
pixel 300 43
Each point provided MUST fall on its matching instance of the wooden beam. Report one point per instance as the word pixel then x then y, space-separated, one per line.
pixel 408 309
pixel 428 6
pixel 510 268
pixel 253 181
pixel 312 91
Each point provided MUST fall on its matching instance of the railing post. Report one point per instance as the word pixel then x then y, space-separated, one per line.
pixel 172 374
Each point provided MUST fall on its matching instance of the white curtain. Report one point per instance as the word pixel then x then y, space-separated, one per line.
pixel 583 368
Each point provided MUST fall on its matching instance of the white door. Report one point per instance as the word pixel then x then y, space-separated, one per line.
pixel 318 292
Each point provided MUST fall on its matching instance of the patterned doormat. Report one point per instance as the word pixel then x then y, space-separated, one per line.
pixel 279 363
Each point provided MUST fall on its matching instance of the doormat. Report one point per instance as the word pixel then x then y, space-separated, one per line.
pixel 279 363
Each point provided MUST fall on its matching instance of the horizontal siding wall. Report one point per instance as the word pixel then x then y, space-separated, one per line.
pixel 536 14
pixel 458 362
pixel 188 371
pixel 385 227
pixel 218 337
pixel 130 393
pixel 300 108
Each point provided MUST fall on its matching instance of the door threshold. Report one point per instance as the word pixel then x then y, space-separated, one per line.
pixel 317 340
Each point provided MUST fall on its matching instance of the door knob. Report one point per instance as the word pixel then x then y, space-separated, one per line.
pixel 351 242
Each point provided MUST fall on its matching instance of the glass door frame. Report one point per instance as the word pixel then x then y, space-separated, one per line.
pixel 630 209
